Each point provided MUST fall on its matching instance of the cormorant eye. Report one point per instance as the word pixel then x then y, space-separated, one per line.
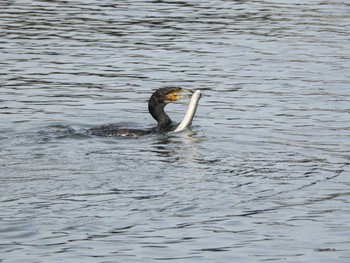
pixel 160 98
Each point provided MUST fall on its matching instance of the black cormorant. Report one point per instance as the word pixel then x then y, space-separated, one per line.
pixel 156 104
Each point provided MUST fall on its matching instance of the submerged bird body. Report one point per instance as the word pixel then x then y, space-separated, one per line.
pixel 156 104
pixel 112 130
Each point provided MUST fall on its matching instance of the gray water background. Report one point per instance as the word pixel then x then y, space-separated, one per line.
pixel 263 174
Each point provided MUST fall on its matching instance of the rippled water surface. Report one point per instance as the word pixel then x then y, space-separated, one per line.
pixel 262 175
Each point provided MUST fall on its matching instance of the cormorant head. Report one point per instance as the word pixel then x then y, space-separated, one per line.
pixel 159 99
pixel 163 96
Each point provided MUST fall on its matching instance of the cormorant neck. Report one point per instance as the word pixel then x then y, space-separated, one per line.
pixel 158 113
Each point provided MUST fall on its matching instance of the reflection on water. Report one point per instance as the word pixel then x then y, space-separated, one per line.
pixel 262 175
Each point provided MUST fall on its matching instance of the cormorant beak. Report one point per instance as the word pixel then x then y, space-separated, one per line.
pixel 175 95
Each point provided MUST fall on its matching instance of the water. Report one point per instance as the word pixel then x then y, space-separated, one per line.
pixel 263 174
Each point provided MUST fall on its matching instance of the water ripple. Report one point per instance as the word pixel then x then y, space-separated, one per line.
pixel 262 175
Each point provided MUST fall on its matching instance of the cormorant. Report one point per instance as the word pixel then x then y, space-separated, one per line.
pixel 156 104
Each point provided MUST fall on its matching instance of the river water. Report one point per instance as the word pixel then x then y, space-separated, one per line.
pixel 262 175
